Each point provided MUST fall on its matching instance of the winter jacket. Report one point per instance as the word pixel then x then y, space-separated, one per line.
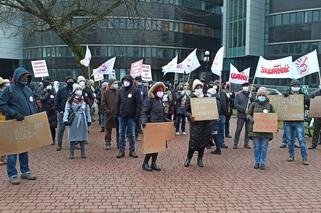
pixel 129 100
pixel 215 123
pixel 258 107
pixel 240 103
pixel 109 102
pixel 143 92
pixel 224 104
pixel 18 99
pixel 200 131
pixel 89 96
pixel 61 98
pixel 181 98
pixel 48 105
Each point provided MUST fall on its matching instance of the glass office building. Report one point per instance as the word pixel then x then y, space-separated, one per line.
pixel 163 29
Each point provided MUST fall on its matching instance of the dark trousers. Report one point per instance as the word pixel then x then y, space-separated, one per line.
pixel 53 133
pixel 180 119
pixel 151 155
pixel 227 125
pixel 239 127
pixel 316 131
pixel 109 130
pixel 191 152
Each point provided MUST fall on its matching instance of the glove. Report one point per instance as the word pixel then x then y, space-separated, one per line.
pixel 143 125
pixel 66 123
pixel 89 123
pixel 192 118
pixel 286 95
pixel 20 117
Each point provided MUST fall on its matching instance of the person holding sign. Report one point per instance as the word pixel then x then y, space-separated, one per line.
pixel 153 111
pixel 316 124
pixel 79 123
pixel 260 139
pixel 295 129
pixel 16 102
pixel 2 118
pixel 200 131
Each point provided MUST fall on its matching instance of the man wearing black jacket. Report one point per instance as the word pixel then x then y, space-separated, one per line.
pixel 129 109
pixel 60 102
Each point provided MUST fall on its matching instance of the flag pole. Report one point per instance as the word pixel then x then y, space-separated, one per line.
pixel 250 95
pixel 319 78
pixel 88 70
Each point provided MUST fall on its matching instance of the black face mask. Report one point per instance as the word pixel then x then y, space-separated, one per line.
pixel 23 82
pixel 69 84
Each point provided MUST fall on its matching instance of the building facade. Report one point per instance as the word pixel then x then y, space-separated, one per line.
pixel 273 29
pixel 164 29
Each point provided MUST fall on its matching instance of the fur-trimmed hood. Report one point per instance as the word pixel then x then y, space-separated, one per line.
pixel 154 86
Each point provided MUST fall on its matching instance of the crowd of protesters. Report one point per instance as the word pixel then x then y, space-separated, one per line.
pixel 128 105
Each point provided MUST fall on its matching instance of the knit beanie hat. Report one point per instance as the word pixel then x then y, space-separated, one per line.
pixel 75 87
pixel 81 78
pixel 262 91
pixel 196 82
pixel 295 82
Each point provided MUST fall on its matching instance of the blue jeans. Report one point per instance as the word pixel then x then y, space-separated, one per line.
pixel 61 128
pixel 102 119
pixel 260 149
pixel 180 118
pixel 295 129
pixel 12 161
pixel 129 124
pixel 284 139
pixel 221 129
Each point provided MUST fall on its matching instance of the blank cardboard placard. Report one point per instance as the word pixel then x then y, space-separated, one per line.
pixel 315 107
pixel 289 108
pixel 265 122
pixel 204 109
pixel 23 136
pixel 156 135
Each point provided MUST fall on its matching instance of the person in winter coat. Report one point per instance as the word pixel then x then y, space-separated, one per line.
pixel 48 105
pixel 101 110
pixel 240 103
pixel 200 131
pixel 78 129
pixel 16 102
pixel 260 139
pixel 60 102
pixel 231 97
pixel 109 102
pixel 181 98
pixel 153 111
pixel 295 129
pixel 138 82
pixel 129 109
pixel 3 160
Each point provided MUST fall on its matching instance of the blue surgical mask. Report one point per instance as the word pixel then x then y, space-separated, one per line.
pixel 261 98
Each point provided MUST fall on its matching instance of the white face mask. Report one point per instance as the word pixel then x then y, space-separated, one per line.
pixel 114 86
pixel 215 87
pixel 198 92
pixel 126 83
pixel 78 93
pixel 7 84
pixel 160 94
pixel 245 89
pixel 295 89
pixel 82 84
pixel 49 87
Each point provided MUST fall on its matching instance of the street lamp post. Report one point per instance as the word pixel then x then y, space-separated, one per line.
pixel 206 59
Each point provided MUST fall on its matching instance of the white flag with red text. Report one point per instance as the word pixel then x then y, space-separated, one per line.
pixel 217 65
pixel 106 68
pixel 306 65
pixel 279 68
pixel 190 63
pixel 237 77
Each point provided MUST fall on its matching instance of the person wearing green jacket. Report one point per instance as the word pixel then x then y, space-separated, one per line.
pixel 260 139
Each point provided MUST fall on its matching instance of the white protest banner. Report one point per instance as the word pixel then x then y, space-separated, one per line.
pixel 106 68
pixel 136 68
pixel 190 63
pixel 279 68
pixel 237 77
pixel 217 65
pixel 98 77
pixel 86 60
pixel 171 66
pixel 306 65
pixel 146 73
pixel 39 68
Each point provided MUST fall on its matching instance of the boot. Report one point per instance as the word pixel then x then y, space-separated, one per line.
pixel 217 151
pixel 200 162
pixel 187 162
pixel 121 154
pixel 82 149
pixel 72 150
pixel 146 167
pixel 154 165
pixel 102 129
pixel 133 154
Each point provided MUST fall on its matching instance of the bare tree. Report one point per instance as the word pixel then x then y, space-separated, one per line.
pixel 58 16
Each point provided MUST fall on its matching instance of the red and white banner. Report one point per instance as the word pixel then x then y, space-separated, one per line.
pixel 106 68
pixel 306 65
pixel 217 65
pixel 237 77
pixel 147 73
pixel 136 68
pixel 98 77
pixel 279 68
pixel 40 68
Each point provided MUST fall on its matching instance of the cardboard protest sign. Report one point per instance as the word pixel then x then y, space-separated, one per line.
pixel 289 108
pixel 265 122
pixel 146 73
pixel 39 68
pixel 156 135
pixel 315 109
pixel 204 109
pixel 31 133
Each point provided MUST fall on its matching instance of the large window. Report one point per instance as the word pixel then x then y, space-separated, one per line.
pixel 295 18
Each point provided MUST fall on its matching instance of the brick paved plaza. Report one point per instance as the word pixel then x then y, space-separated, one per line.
pixel 227 183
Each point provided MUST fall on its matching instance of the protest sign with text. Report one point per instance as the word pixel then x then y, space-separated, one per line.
pixel 237 77
pixel 279 68
pixel 136 68
pixel 265 122
pixel 289 108
pixel 315 109
pixel 204 109
pixel 39 68
pixel 147 73
pixel 23 136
